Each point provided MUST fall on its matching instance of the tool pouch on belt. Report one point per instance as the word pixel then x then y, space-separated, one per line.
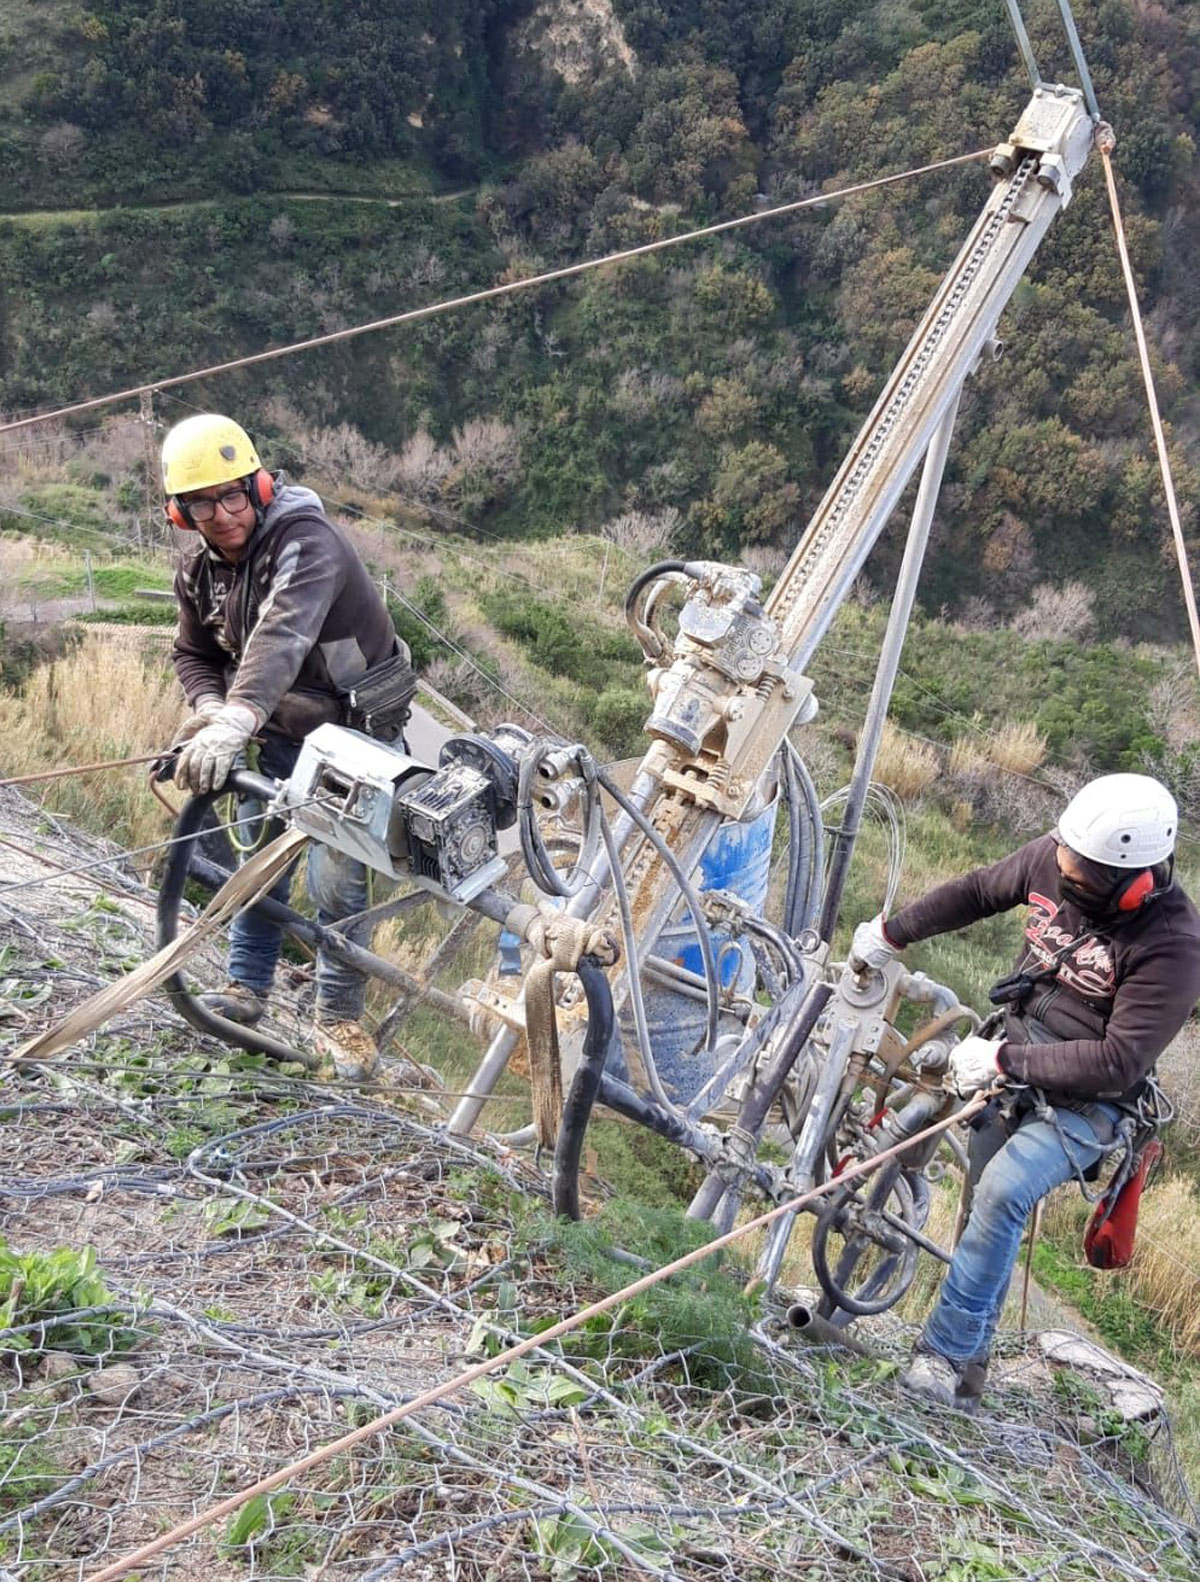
pixel 379 702
pixel 1108 1242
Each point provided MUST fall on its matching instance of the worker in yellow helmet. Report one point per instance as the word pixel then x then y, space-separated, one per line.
pixel 278 622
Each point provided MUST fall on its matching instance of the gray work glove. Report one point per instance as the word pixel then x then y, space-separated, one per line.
pixel 206 760
pixel 204 712
pixel 870 946
pixel 974 1065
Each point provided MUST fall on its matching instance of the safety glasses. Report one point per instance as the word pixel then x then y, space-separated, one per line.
pixel 233 501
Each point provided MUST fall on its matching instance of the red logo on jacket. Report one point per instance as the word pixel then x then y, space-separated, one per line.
pixel 1089 969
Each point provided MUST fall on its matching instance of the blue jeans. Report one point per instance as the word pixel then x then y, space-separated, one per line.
pixel 338 887
pixel 1012 1174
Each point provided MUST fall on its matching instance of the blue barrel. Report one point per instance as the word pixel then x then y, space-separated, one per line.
pixel 738 859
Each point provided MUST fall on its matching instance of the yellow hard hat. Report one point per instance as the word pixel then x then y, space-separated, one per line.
pixel 204 450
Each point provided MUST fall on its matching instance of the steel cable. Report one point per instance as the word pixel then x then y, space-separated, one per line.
pixel 490 293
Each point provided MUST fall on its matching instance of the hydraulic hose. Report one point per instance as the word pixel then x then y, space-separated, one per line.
pixel 188 828
pixel 703 936
pixel 585 1085
pixel 533 848
pixel 806 845
pixel 649 640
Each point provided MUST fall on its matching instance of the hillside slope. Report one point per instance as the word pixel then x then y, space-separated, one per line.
pixel 276 1262
pixel 714 389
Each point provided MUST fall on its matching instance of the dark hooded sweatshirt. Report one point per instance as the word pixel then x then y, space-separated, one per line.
pixel 289 628
pixel 1120 993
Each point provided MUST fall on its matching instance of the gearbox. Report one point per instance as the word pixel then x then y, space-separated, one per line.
pixel 394 813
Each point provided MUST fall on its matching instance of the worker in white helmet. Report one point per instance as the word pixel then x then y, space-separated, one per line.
pixel 280 629
pixel 1109 972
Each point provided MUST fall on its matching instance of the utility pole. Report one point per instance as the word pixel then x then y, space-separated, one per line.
pixel 149 425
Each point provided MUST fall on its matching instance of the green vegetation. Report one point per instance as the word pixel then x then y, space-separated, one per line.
pixel 27 1470
pixel 1093 702
pixel 700 1313
pixel 57 1301
pixel 697 403
pixel 714 389
pixel 1121 1321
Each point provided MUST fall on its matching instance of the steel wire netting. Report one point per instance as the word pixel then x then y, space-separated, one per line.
pixel 279 1261
pixel 295 1277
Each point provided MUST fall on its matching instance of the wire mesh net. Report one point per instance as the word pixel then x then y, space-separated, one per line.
pixel 277 1262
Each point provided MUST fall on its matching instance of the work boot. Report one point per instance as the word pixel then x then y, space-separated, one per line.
pixel 236 1002
pixel 349 1048
pixel 933 1378
pixel 971 1383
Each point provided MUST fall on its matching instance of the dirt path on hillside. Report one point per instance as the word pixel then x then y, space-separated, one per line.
pixel 168 205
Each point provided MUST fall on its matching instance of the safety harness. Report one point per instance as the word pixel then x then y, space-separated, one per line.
pixel 1109 1239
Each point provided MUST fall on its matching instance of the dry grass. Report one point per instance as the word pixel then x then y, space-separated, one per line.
pixel 908 766
pixel 969 759
pixel 1164 1278
pixel 1165 1273
pixel 1179 1071
pixel 102 700
pixel 1018 748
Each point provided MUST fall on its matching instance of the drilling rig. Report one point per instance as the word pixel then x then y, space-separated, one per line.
pixel 645 975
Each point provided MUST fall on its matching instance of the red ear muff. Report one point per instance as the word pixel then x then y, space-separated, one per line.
pixel 176 515
pixel 1136 891
pixel 262 488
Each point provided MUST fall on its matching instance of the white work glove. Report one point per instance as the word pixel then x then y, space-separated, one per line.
pixel 870 946
pixel 204 712
pixel 206 760
pixel 974 1065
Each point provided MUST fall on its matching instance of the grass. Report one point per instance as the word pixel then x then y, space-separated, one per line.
pixel 905 764
pixel 27 1470
pixel 101 700
pixel 1150 1311
pixel 42 570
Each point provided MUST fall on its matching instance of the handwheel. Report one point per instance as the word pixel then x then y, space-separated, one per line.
pixel 864 1263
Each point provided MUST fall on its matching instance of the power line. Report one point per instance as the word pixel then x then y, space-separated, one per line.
pixel 491 293
pixel 467 659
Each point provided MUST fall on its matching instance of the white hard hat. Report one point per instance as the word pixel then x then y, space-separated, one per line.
pixel 1124 821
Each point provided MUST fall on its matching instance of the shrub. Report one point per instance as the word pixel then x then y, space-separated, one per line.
pixel 908 766
pixel 59 1291
pixel 617 719
pixel 428 599
pixel 1056 612
pixel 552 640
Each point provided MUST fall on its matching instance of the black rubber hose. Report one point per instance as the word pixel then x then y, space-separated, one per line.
pixel 648 639
pixel 690 895
pixel 885 1283
pixel 188 828
pixel 585 1084
pixel 619 1097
